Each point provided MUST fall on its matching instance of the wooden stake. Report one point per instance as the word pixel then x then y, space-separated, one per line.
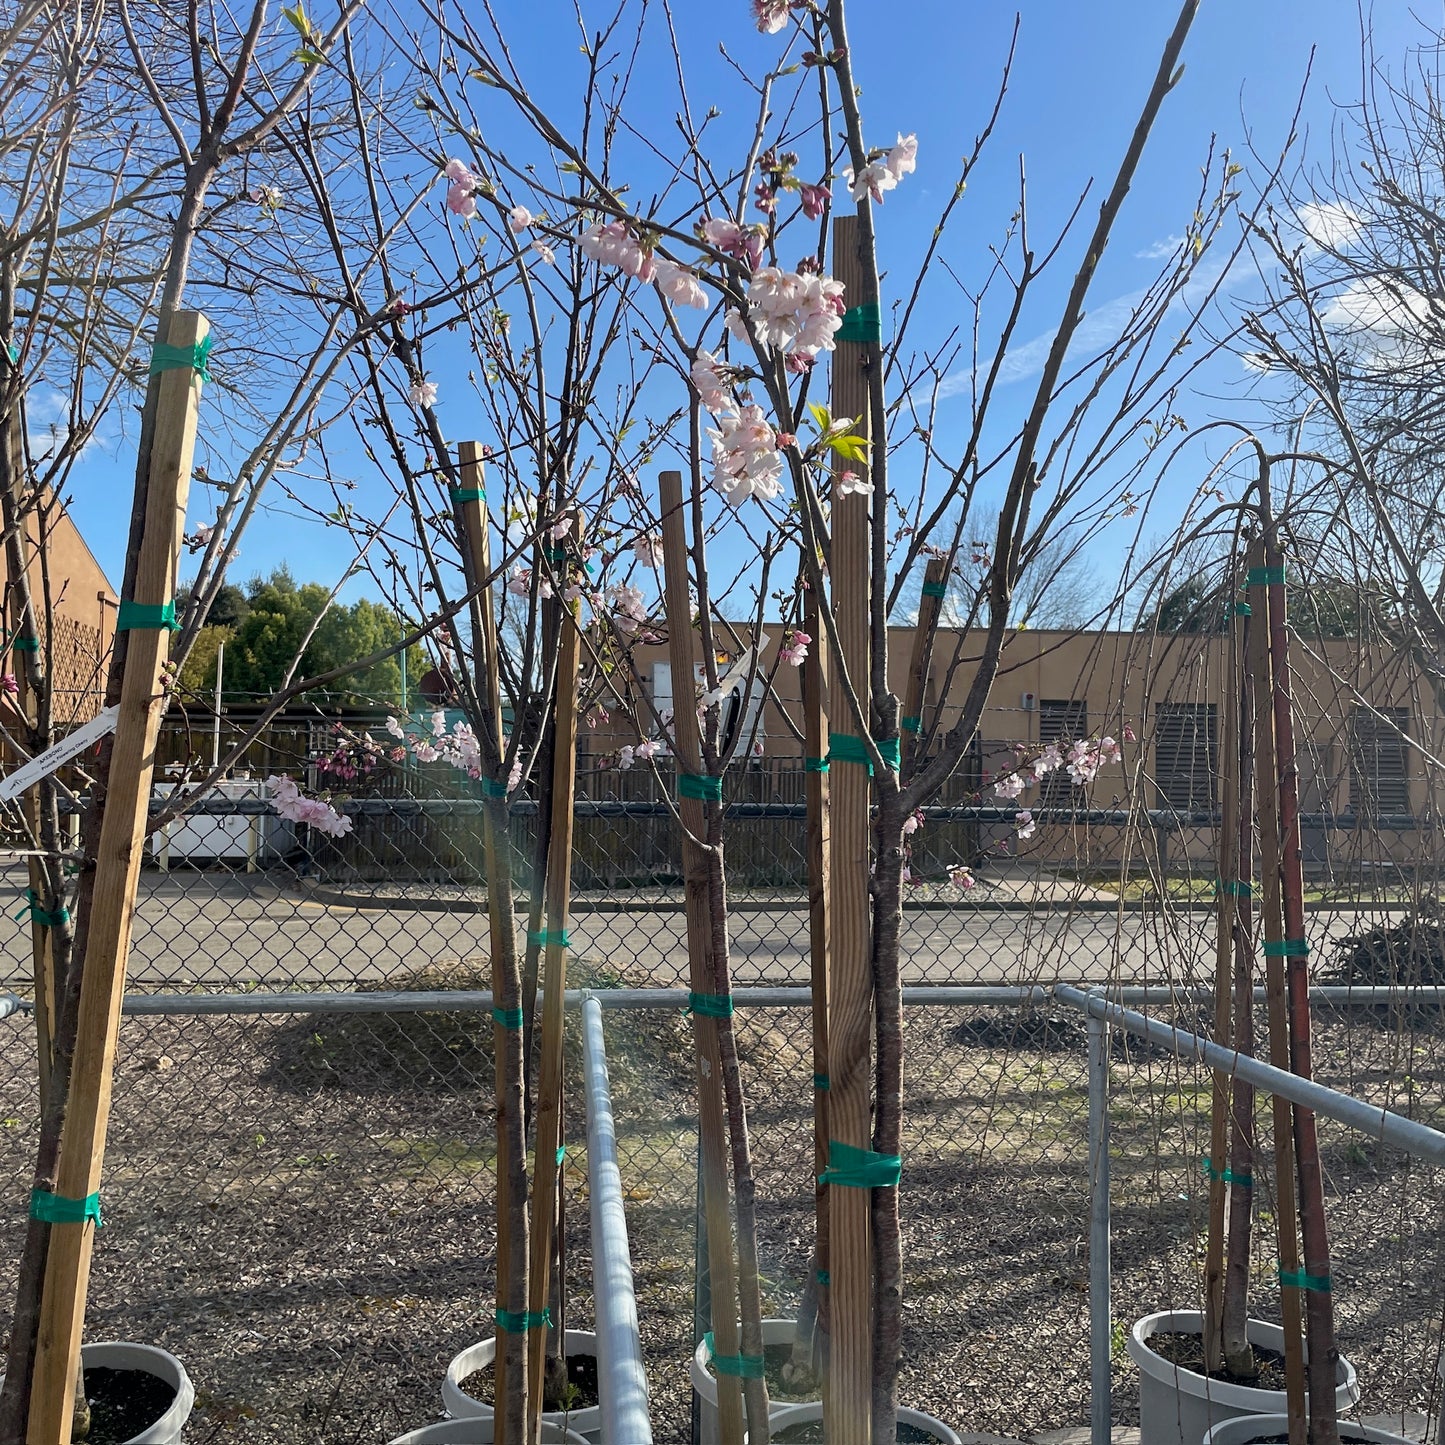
pixel 850 998
pixel 1224 914
pixel 559 884
pixel 509 1368
pixel 712 1136
pixel 1314 1233
pixel 118 860
pixel 1267 787
pixel 930 604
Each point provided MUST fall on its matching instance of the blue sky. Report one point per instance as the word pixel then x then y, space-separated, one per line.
pixel 932 67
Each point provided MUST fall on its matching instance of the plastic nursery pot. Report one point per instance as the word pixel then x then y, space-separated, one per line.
pixel 1178 1407
pixel 775 1332
pixel 1248 1428
pixel 478 1431
pixel 462 1406
pixel 149 1360
pixel 806 1414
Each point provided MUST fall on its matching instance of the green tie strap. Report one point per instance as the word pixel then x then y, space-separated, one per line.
pixel 561 1154
pixel 1243 609
pixel 1298 1279
pixel 892 751
pixel 543 937
pixel 1265 576
pixel 1236 888
pixel 1226 1176
pixel 519 1322
pixel 25 644
pixel 195 358
pixel 935 589
pixel 815 765
pixel 742 1367
pixel 467 494
pixel 911 724
pixel 1286 948
pixel 822 1083
pixel 710 1005
pixel 555 554
pixel 147 617
pixel 699 786
pixel 845 748
pixel 493 789
pixel 860 1168
pixel 57 1209
pixel 13 352
pixel 39 915
pixel 824 1278
pixel 861 323
pixel 509 1018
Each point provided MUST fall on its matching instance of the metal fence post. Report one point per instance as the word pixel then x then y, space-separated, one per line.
pixel 1101 1324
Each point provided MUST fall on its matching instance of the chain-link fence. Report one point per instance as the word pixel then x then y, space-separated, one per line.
pixel 300 1203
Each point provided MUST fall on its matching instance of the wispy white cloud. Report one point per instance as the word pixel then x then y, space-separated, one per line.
pixel 1330 225
pixel 1160 249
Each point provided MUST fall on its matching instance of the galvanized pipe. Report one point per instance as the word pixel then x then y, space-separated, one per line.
pixel 621 1379
pixel 1392 1129
pixel 9 1004
pixel 1101 1326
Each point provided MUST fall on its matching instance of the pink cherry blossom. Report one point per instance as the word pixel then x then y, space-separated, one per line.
pixel 912 823
pixel 815 200
pixel 678 284
pixel 614 245
pixel 794 651
pixel 9 685
pixel 651 748
pixel 625 756
pixel 1009 786
pixel 745 456
pixel 770 15
pixel 649 550
pixel 713 391
pixel 742 243
pixel 1025 824
pixel 960 877
pixel 290 802
pixel 1109 751
pixel 544 251
pixel 422 393
pixel 519 218
pixel 1048 761
pixel 902 159
pixel 457 171
pixel 851 484
pixel 1129 734
pixel 461 202
pixel 629 611
pixel 792 311
pixel 520 582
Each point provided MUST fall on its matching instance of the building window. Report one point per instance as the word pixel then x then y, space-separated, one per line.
pixel 1061 721
pixel 1186 755
pixel 1379 781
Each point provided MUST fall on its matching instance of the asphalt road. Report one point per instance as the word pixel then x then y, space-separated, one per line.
pixel 218 931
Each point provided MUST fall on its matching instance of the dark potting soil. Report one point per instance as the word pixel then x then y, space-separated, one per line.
pixel 123 1403
pixel 581 1376
pixel 1187 1352
pixel 784 1382
pixel 810 1432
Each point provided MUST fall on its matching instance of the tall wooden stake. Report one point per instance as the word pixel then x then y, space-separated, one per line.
pixel 118 859
pixel 712 1136
pixel 559 888
pixel 1267 786
pixel 1314 1234
pixel 510 1366
pixel 850 995
pixel 930 604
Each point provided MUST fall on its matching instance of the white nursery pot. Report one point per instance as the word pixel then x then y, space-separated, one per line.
pixel 1247 1428
pixel 1178 1407
pixel 461 1406
pixel 775 1332
pixel 478 1431
pixel 151 1360
pixel 813 1410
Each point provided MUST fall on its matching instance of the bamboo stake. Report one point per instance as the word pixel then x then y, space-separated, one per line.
pixel 1267 786
pixel 548 1138
pixel 118 859
pixel 930 604
pixel 1314 1231
pixel 815 782
pixel 850 997
pixel 712 1138
pixel 1228 888
pixel 510 1365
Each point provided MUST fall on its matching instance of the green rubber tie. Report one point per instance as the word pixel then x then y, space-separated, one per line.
pixel 700 786
pixel 710 1005
pixel 542 937
pixel 1286 948
pixel 935 589
pixel 824 1278
pixel 57 1209
pixel 860 1168
pixel 509 1018
pixel 911 724
pixel 1235 888
pixel 815 765
pixel 467 494
pixel 25 644
pixel 13 352
pixel 147 617
pixel 1265 576
pixel 743 1367
pixel 861 323
pixel 555 554
pixel 1226 1176
pixel 1298 1279
pixel 183 358
pixel 1243 609
pixel 561 1154
pixel 822 1083
pixel 493 789
pixel 39 915
pixel 519 1322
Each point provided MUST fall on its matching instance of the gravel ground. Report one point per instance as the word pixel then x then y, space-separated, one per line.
pixel 301 1209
